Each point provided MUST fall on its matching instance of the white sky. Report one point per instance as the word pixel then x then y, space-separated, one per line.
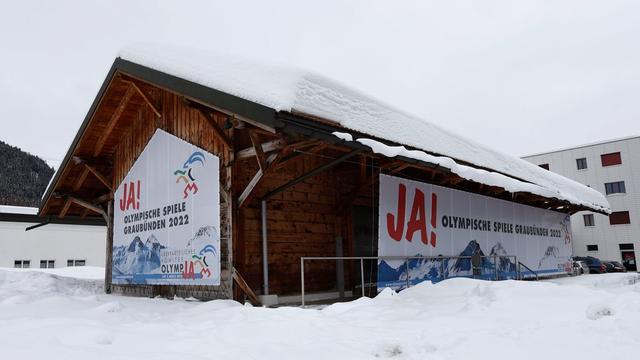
pixel 519 76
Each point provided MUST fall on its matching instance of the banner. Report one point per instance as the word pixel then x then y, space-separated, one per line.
pixel 420 219
pixel 167 216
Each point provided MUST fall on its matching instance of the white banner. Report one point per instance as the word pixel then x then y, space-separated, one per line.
pixel 167 216
pixel 420 219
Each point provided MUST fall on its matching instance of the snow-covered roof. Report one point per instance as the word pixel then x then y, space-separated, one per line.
pixel 9 209
pixel 291 89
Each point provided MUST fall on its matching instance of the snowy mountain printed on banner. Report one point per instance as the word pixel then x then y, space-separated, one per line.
pixel 137 257
pixel 206 235
pixel 549 259
pixel 436 270
pixel 145 257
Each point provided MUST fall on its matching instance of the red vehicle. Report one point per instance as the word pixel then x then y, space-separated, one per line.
pixel 614 266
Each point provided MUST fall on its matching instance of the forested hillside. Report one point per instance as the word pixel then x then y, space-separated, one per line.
pixel 23 177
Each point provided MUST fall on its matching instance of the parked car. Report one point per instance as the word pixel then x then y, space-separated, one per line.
pixel 580 267
pixel 608 267
pixel 595 265
pixel 614 266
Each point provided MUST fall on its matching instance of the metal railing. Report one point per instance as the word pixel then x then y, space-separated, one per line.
pixel 406 259
pixel 520 266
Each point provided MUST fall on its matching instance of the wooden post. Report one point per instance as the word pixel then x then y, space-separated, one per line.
pixel 109 249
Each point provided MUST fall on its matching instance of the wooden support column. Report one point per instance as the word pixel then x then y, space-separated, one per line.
pixel 109 249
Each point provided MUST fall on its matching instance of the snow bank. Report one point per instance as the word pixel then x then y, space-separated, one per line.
pixel 284 88
pixel 78 272
pixel 45 315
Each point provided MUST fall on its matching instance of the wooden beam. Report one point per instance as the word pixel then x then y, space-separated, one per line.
pixel 103 179
pixel 399 168
pixel 113 120
pixel 245 287
pixel 85 212
pixel 80 180
pixel 205 111
pixel 143 95
pixel 197 103
pixel 65 208
pixel 311 173
pixel 103 198
pixel 259 152
pixel 89 206
pixel 266 147
pixel 247 193
pixel 392 168
pixel 89 168
pixel 216 127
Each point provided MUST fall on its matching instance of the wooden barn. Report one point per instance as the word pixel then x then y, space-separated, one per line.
pixel 300 161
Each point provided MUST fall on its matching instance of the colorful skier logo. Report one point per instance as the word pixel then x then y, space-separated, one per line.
pixel 185 173
pixel 200 261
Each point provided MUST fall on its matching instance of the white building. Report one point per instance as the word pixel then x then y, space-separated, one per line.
pixel 61 243
pixel 613 168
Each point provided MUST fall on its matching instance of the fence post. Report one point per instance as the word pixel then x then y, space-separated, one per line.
pixel 302 279
pixel 406 266
pixel 362 275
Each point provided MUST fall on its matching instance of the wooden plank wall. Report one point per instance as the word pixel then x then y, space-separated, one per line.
pixel 190 125
pixel 301 221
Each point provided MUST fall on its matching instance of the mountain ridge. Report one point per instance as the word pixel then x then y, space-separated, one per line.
pixel 23 176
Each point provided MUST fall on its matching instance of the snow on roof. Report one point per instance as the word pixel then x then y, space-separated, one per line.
pixel 9 209
pixel 291 89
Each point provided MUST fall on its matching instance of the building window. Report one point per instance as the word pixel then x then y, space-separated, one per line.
pixel 611 159
pixel 615 188
pixel 626 246
pixel 76 262
pixel 47 264
pixel 619 217
pixel 544 166
pixel 588 220
pixel 592 247
pixel 22 264
pixel 581 163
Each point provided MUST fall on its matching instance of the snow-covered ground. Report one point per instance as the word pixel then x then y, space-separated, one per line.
pixel 43 315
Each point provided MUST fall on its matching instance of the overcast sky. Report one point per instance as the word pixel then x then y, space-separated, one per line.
pixel 519 76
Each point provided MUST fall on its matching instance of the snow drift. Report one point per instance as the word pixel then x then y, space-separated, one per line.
pixel 45 315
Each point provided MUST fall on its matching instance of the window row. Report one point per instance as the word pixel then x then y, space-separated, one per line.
pixel 605 159
pixel 621 246
pixel 615 218
pixel 46 264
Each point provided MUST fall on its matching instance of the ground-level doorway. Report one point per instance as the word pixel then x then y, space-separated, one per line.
pixel 365 235
pixel 628 257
